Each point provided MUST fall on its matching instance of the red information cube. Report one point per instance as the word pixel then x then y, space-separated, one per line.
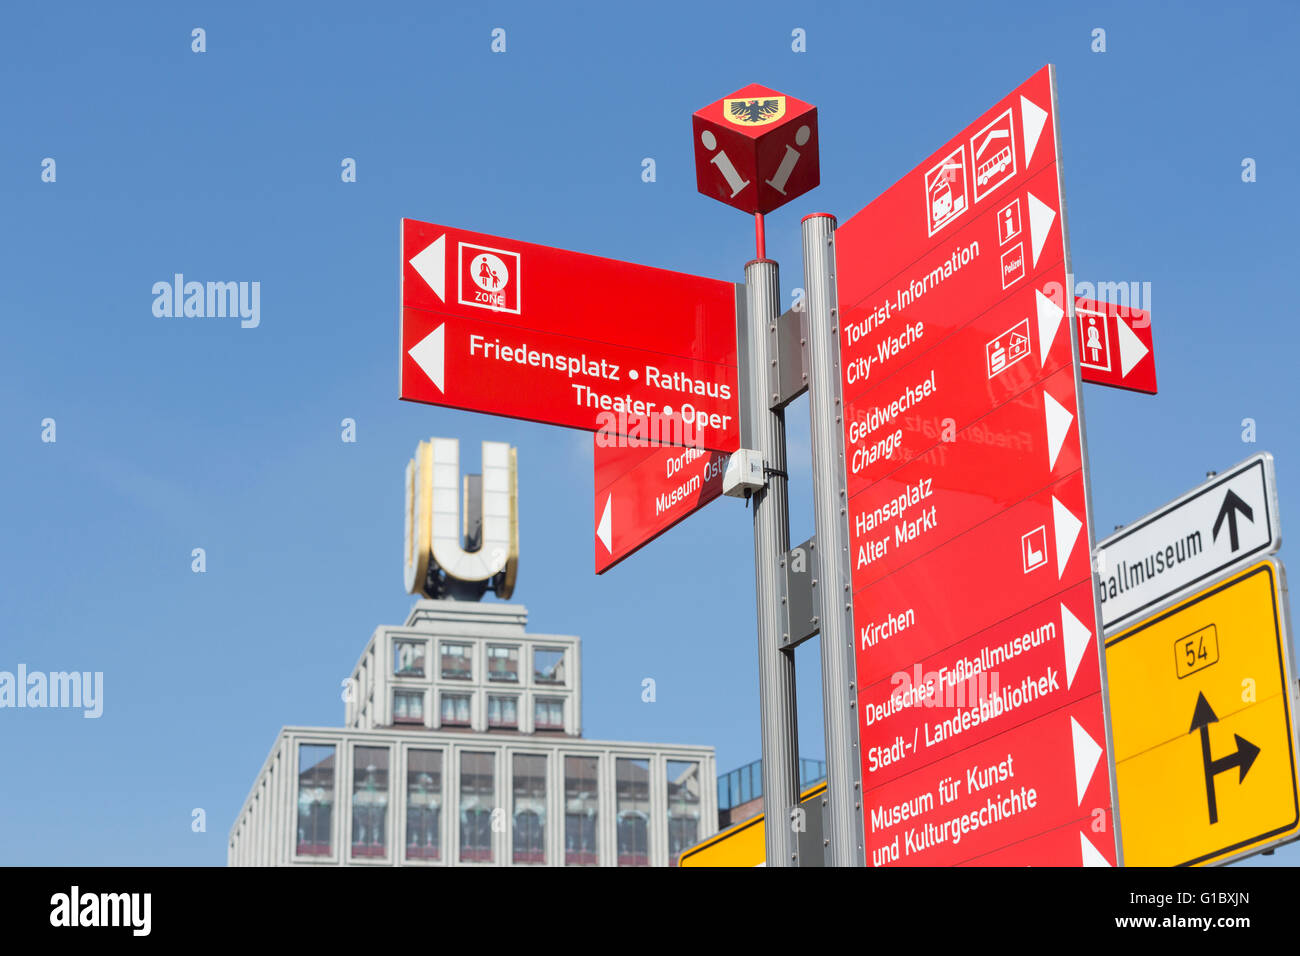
pixel 981 722
pixel 756 149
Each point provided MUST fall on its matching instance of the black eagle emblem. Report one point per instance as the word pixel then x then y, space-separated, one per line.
pixel 755 111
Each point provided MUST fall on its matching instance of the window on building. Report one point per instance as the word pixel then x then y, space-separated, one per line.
pixel 683 806
pixel 424 805
pixel 503 663
pixel 580 810
pixel 503 713
pixel 315 799
pixel 529 809
pixel 548 665
pixel 548 713
pixel 408 707
pixel 408 658
pixel 455 710
pixel 477 798
pixel 456 661
pixel 632 795
pixel 369 801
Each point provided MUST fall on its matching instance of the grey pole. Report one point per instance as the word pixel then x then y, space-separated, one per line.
pixel 831 558
pixel 776 688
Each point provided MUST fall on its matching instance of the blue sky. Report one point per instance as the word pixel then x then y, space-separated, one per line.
pixel 176 434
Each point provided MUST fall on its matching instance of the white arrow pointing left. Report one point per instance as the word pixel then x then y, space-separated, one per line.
pixel 428 354
pixel 606 525
pixel 431 264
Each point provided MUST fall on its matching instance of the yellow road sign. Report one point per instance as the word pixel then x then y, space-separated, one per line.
pixel 744 844
pixel 1201 715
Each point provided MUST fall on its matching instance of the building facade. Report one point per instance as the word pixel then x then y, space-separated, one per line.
pixel 740 791
pixel 462 745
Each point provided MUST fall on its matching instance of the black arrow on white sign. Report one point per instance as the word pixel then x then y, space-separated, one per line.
pixel 1231 505
pixel 1245 754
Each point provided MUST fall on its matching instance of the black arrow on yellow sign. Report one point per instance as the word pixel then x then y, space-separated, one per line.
pixel 1245 755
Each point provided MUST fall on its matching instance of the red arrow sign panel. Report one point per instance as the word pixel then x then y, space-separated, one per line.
pixel 937 198
pixel 950 285
pixel 1021 784
pixel 543 377
pixel 958 381
pixel 1023 556
pixel 511 328
pixel 1017 670
pixel 642 492
pixel 1116 346
pixel 983 470
pixel 1088 841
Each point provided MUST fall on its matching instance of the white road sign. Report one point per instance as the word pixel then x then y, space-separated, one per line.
pixel 1223 524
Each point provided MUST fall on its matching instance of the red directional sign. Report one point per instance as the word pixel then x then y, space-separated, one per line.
pixel 1082 843
pixel 642 492
pixel 949 284
pixel 959 484
pixel 511 328
pixel 1025 555
pixel 984 364
pixel 1020 668
pixel 981 723
pixel 1116 346
pixel 1043 774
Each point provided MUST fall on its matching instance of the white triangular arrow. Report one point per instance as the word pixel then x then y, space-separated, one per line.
pixel 1058 426
pixel 606 523
pixel 428 353
pixel 1067 532
pixel 1131 349
pixel 1091 856
pixel 1032 119
pixel 1086 753
pixel 1049 320
pixel 1041 217
pixel 1077 637
pixel 431 264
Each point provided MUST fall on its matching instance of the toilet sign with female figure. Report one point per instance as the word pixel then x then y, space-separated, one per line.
pixel 1115 346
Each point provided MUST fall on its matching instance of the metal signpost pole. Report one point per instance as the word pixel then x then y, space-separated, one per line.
pixel 831 557
pixel 731 168
pixel 771 542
